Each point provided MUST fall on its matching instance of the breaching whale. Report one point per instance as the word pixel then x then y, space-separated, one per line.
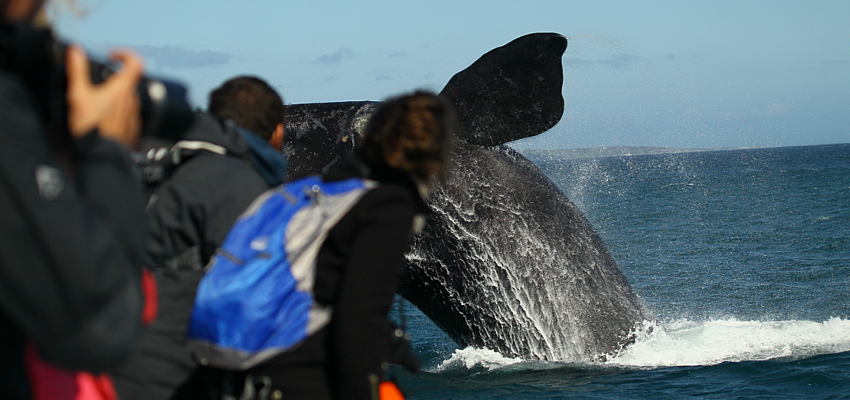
pixel 506 261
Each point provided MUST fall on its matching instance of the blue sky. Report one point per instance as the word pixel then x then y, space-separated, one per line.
pixel 687 74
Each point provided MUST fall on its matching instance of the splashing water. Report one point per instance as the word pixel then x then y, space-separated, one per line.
pixel 689 343
pixel 471 357
pixel 684 343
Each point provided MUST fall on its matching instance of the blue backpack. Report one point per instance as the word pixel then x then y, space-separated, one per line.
pixel 256 300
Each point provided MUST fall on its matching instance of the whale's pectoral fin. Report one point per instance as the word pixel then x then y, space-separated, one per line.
pixel 512 92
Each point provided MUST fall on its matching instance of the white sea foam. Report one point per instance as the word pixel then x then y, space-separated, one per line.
pixel 691 343
pixel 471 357
pixel 684 342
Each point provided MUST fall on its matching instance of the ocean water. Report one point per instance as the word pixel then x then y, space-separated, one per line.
pixel 743 258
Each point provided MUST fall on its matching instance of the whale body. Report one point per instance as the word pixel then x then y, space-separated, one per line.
pixel 506 260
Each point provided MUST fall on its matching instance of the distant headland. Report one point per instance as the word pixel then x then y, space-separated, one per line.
pixel 612 151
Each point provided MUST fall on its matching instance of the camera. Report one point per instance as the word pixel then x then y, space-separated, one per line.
pixel 164 110
pixel 39 58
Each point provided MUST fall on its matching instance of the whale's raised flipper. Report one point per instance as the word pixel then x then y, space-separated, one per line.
pixel 512 92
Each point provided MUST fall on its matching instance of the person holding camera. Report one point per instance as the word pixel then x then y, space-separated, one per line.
pixel 71 212
pixel 228 157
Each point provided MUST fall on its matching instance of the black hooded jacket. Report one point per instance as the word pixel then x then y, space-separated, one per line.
pixel 189 214
pixel 71 246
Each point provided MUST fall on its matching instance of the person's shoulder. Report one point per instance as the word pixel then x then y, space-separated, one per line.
pixel 15 99
pixel 21 126
pixel 392 189
pixel 387 195
pixel 10 84
pixel 214 175
pixel 209 129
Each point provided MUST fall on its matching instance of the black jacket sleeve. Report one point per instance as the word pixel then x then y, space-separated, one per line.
pixel 70 249
pixel 359 332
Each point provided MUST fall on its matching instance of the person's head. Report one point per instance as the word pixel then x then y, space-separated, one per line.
pixel 20 11
pixel 37 12
pixel 252 104
pixel 414 133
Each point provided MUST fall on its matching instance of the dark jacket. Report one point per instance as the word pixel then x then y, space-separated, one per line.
pixel 357 270
pixel 71 246
pixel 190 214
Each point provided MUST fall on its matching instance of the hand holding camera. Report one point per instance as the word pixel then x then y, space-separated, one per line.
pixel 112 106
pixel 75 95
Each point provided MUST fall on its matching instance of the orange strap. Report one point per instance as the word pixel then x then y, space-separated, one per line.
pixel 389 391
pixel 95 387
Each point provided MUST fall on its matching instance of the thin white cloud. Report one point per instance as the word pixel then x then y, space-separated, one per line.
pixel 178 57
pixel 616 61
pixel 340 55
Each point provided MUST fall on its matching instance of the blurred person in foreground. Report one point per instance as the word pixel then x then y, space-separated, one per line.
pixel 71 217
pixel 228 157
pixel 352 276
